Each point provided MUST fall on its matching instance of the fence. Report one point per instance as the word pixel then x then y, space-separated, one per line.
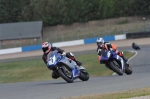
pixel 85 30
pixel 90 29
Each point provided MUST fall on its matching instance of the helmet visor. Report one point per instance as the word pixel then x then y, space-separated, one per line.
pixel 45 49
pixel 99 43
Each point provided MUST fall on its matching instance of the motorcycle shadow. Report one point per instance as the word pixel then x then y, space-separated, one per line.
pixel 55 83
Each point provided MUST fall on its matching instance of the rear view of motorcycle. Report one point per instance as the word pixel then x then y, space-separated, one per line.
pixel 115 63
pixel 135 46
pixel 66 68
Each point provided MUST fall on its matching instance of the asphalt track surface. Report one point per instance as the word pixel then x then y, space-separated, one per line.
pixel 55 89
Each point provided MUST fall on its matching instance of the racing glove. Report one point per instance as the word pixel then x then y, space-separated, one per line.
pixel 64 53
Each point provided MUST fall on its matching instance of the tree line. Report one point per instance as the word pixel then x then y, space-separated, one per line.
pixel 54 12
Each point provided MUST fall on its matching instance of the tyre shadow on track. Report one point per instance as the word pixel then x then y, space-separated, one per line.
pixel 48 83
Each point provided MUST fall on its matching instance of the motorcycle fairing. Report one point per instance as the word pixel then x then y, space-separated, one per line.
pixel 118 58
pixel 54 58
pixel 106 55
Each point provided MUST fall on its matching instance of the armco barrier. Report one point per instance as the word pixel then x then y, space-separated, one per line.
pixel 61 44
pixel 93 40
pixel 31 48
pixel 137 35
pixel 10 50
pixel 120 37
pixel 68 43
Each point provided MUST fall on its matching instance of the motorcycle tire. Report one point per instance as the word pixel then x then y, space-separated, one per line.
pixel 115 68
pixel 61 73
pixel 139 48
pixel 128 70
pixel 84 76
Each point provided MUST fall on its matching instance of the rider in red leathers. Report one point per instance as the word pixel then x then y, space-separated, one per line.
pixel 107 45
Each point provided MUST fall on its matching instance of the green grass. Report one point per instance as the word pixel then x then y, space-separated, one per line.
pixel 97 29
pixel 29 70
pixel 35 70
pixel 117 95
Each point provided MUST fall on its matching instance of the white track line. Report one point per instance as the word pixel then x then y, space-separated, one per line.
pixel 128 59
pixel 133 55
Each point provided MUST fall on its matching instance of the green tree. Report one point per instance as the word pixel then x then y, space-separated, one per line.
pixel 10 10
pixel 54 12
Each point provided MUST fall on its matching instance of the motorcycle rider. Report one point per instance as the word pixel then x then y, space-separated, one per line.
pixel 47 47
pixel 135 46
pixel 107 45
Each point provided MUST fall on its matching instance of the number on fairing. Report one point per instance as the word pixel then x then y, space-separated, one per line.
pixel 108 54
pixel 51 60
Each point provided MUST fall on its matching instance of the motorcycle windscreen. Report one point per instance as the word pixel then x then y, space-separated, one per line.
pixel 50 54
pixel 52 58
pixel 104 55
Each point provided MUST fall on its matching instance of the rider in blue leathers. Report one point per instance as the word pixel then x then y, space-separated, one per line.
pixel 46 48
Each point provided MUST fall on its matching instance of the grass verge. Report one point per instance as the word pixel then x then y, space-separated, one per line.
pixel 35 70
pixel 117 95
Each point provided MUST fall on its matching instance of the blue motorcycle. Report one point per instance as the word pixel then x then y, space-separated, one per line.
pixel 65 67
pixel 114 62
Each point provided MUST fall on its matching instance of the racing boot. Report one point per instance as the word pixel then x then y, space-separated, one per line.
pixel 72 57
pixel 55 75
pixel 79 64
pixel 125 60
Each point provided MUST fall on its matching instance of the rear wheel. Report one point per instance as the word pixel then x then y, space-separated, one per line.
pixel 66 74
pixel 139 48
pixel 115 68
pixel 128 70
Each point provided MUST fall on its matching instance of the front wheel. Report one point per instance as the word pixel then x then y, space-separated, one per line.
pixel 84 76
pixel 65 74
pixel 115 68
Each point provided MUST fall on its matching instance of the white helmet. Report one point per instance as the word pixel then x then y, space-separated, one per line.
pixel 100 41
pixel 46 47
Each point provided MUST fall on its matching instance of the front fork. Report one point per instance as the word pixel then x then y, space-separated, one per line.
pixel 118 65
pixel 76 73
pixel 122 62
